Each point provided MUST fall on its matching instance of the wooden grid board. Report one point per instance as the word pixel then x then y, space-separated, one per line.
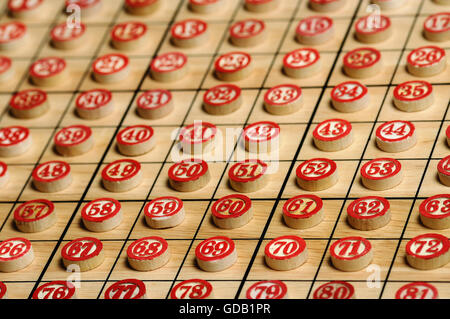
pixel 296 145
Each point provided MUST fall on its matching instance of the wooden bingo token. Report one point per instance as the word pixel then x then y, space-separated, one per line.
pixel 413 96
pixel 6 69
pixel 164 212
pixel 388 4
pixel 25 9
pixel 261 137
pixel 426 61
pixel 85 252
pixel 48 71
pixel 35 216
pixel 381 174
pixel 29 104
pixel 52 176
pixel 333 135
pixel 232 211
pixel 216 254
pixel 67 38
pixel 126 289
pixel 198 137
pixel 169 67
pixel 88 8
pixel 369 213
pixel 189 175
pixel 286 253
pixel 248 33
pixel 154 104
pixel 102 214
pixel 74 140
pixel 4 174
pixel 122 175
pixel 317 174
pixel 444 170
pixel 142 7
pixel 15 254
pixel 349 97
pixel 94 104
pixel 233 66
pixel 13 35
pixel 396 136
pixel 267 289
pixel 57 290
pixel 111 68
pixel 351 253
pixel 373 29
pixel 326 5
pixel 222 99
pixel 248 176
pixel 189 33
pixel 335 290
pixel 14 141
pixel 437 27
pixel 302 63
pixel 417 290
pixel 435 211
pixel 303 211
pixel 206 6
pixel 260 6
pixel 3 291
pixel 148 253
pixel 136 140
pixel 428 251
pixel 362 63
pixel 192 289
pixel 128 35
pixel 315 30
pixel 283 99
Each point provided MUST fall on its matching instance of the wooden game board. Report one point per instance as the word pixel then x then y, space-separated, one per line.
pixel 296 145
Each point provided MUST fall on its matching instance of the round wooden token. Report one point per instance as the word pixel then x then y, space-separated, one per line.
pixel 4 174
pixel 14 141
pixel 13 35
pixel 232 211
pixel 283 99
pixel 111 68
pixel 443 168
pixel 413 96
pixel 317 174
pixel 122 175
pixel 396 136
pixel 222 99
pixel 142 7
pixel 189 175
pixel 426 61
pixel 267 289
pixel 57 290
pixel 233 66
pixel 190 33
pixel 74 140
pixel 435 211
pixel 442 2
pixel 335 290
pixel 362 63
pixel 198 137
pixel 437 27
pixel 169 67
pixel 388 4
pixel 351 253
pixel 192 289
pixel 136 140
pixel 52 176
pixel 206 6
pixel 333 135
pixel 303 211
pixel 15 254
pixel 369 213
pixel 94 104
pixel 302 63
pixel 381 174
pixel 49 71
pixel 85 252
pixel 373 29
pixel 164 212
pixel 326 5
pixel 417 290
pixel 248 33
pixel 315 30
pixel 261 137
pixel 128 35
pixel 102 214
pixel 29 104
pixel 285 253
pixel 3 291
pixel 6 69
pixel 68 38
pixel 428 251
pixel 154 104
pixel 260 6
pixel 148 253
pixel 248 176
pixel 350 96
pixel 25 9
pixel 35 216
pixel 126 289
pixel 216 254
pixel 88 8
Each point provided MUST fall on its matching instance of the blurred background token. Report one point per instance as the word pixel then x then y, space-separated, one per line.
pixel 435 211
pixel 248 176
pixel 3 291
pixel 232 211
pixel 154 104
pixel 262 137
pixel 74 140
pixel 52 176
pixel 442 2
pixel 381 174
pixel 122 175
pixel 373 29
pixel 285 253
pixel 198 137
pixel 35 216
pixel 369 213
pixel 248 33
pixel 417 290
pixel 111 68
pixel 88 8
pixel 86 252
pixel 428 251
pixel 351 253
pixel 388 4
pixel 444 170
pixel 216 254
pixel 326 5
pixel 6 69
pixel 136 140
pixel 335 290
pixel 128 35
pixel 303 211
pixel 169 67
pixel 4 174
pixel 426 61
pixel 192 289
pixel 102 214
pixel 13 35
pixel 283 99
pixel 50 71
pixel 189 175
pixel 25 9
pixel 94 104
pixel 413 96
pixel 333 135
pixel 315 30
pixel 437 27
pixel 56 290
pixel 396 136
pixel 126 289
pixel 261 6
pixel 317 174
pixel 164 212
pixel 15 254
pixel 142 7
pixel 14 141
pixel 206 6
pixel 267 289
pixel 30 103
pixel 66 38
pixel 233 66
pixel 190 33
pixel 148 253
pixel 222 99
pixel 350 96
pixel 302 63
pixel 362 63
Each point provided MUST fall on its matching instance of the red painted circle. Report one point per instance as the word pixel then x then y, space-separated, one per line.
pixel 198 133
pixel 357 248
pixel 163 207
pixel 247 28
pixel 83 248
pixel 121 170
pixel 285 247
pixel 348 92
pixel 444 166
pixel 83 4
pixel 93 99
pixel 283 94
pixel 314 25
pixel 189 29
pixel 23 5
pixel 381 168
pixel 28 99
pixel 368 207
pixel 47 67
pixel 57 289
pixel 3 290
pixel 136 134
pixel 335 290
pixel 301 58
pixel 427 246
pixel 437 23
pixel 3 169
pixel 316 169
pixel 245 171
pixel 126 289
pixel 426 56
pixel 222 94
pixel 260 132
pixel 371 24
pixel 154 99
pixel 417 290
pixel 110 63
pixel 62 32
pixel 11 31
pixel 436 207
pixel 361 58
pixel 13 135
pixel 140 3
pixel 128 31
pixel 72 135
pixel 332 130
pixel 14 248
pixel 34 210
pixel 413 90
pixel 268 289
pixel 302 206
pixel 395 131
pixel 214 248
pixel 169 62
pixel 5 64
pixel 232 62
pixel 100 209
pixel 51 171
pixel 188 170
pixel 231 206
pixel 147 248
pixel 191 289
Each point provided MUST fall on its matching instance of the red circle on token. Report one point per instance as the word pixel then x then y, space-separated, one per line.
pixel 214 248
pixel 335 290
pixel 316 168
pixel 51 171
pixel 58 289
pixel 34 210
pixel 164 206
pixel 394 131
pixel 28 99
pixel 188 170
pixel 268 289
pixel 139 3
pixel 14 248
pixel 128 31
pixel 437 23
pixel 2 290
pixel 126 289
pixel 73 135
pixel 169 62
pixel 427 246
pixel 356 248
pixel 100 209
pixel 245 171
pixel 191 289
pixel 348 91
pixel 283 94
pixel 93 99
pixel 232 62
pixel 285 247
pixel 110 63
pixel 62 32
pixel 301 58
pixel 231 206
pixel 121 170
pixel 362 58
pixel 444 166
pixel 437 206
pixel 222 94
pixel 147 248
pixel 261 131
pixel 5 64
pixel 13 135
pixel 198 132
pixel 154 99
pixel 83 4
pixel 381 168
pixel 11 31
pixel 23 5
pixel 82 248
pixel 188 29
pixel 302 206
pixel 413 90
pixel 135 134
pixel 368 207
pixel 3 169
pixel 371 24
pixel 417 290
pixel 247 28
pixel 314 25
pixel 425 56
pixel 331 130
pixel 47 67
